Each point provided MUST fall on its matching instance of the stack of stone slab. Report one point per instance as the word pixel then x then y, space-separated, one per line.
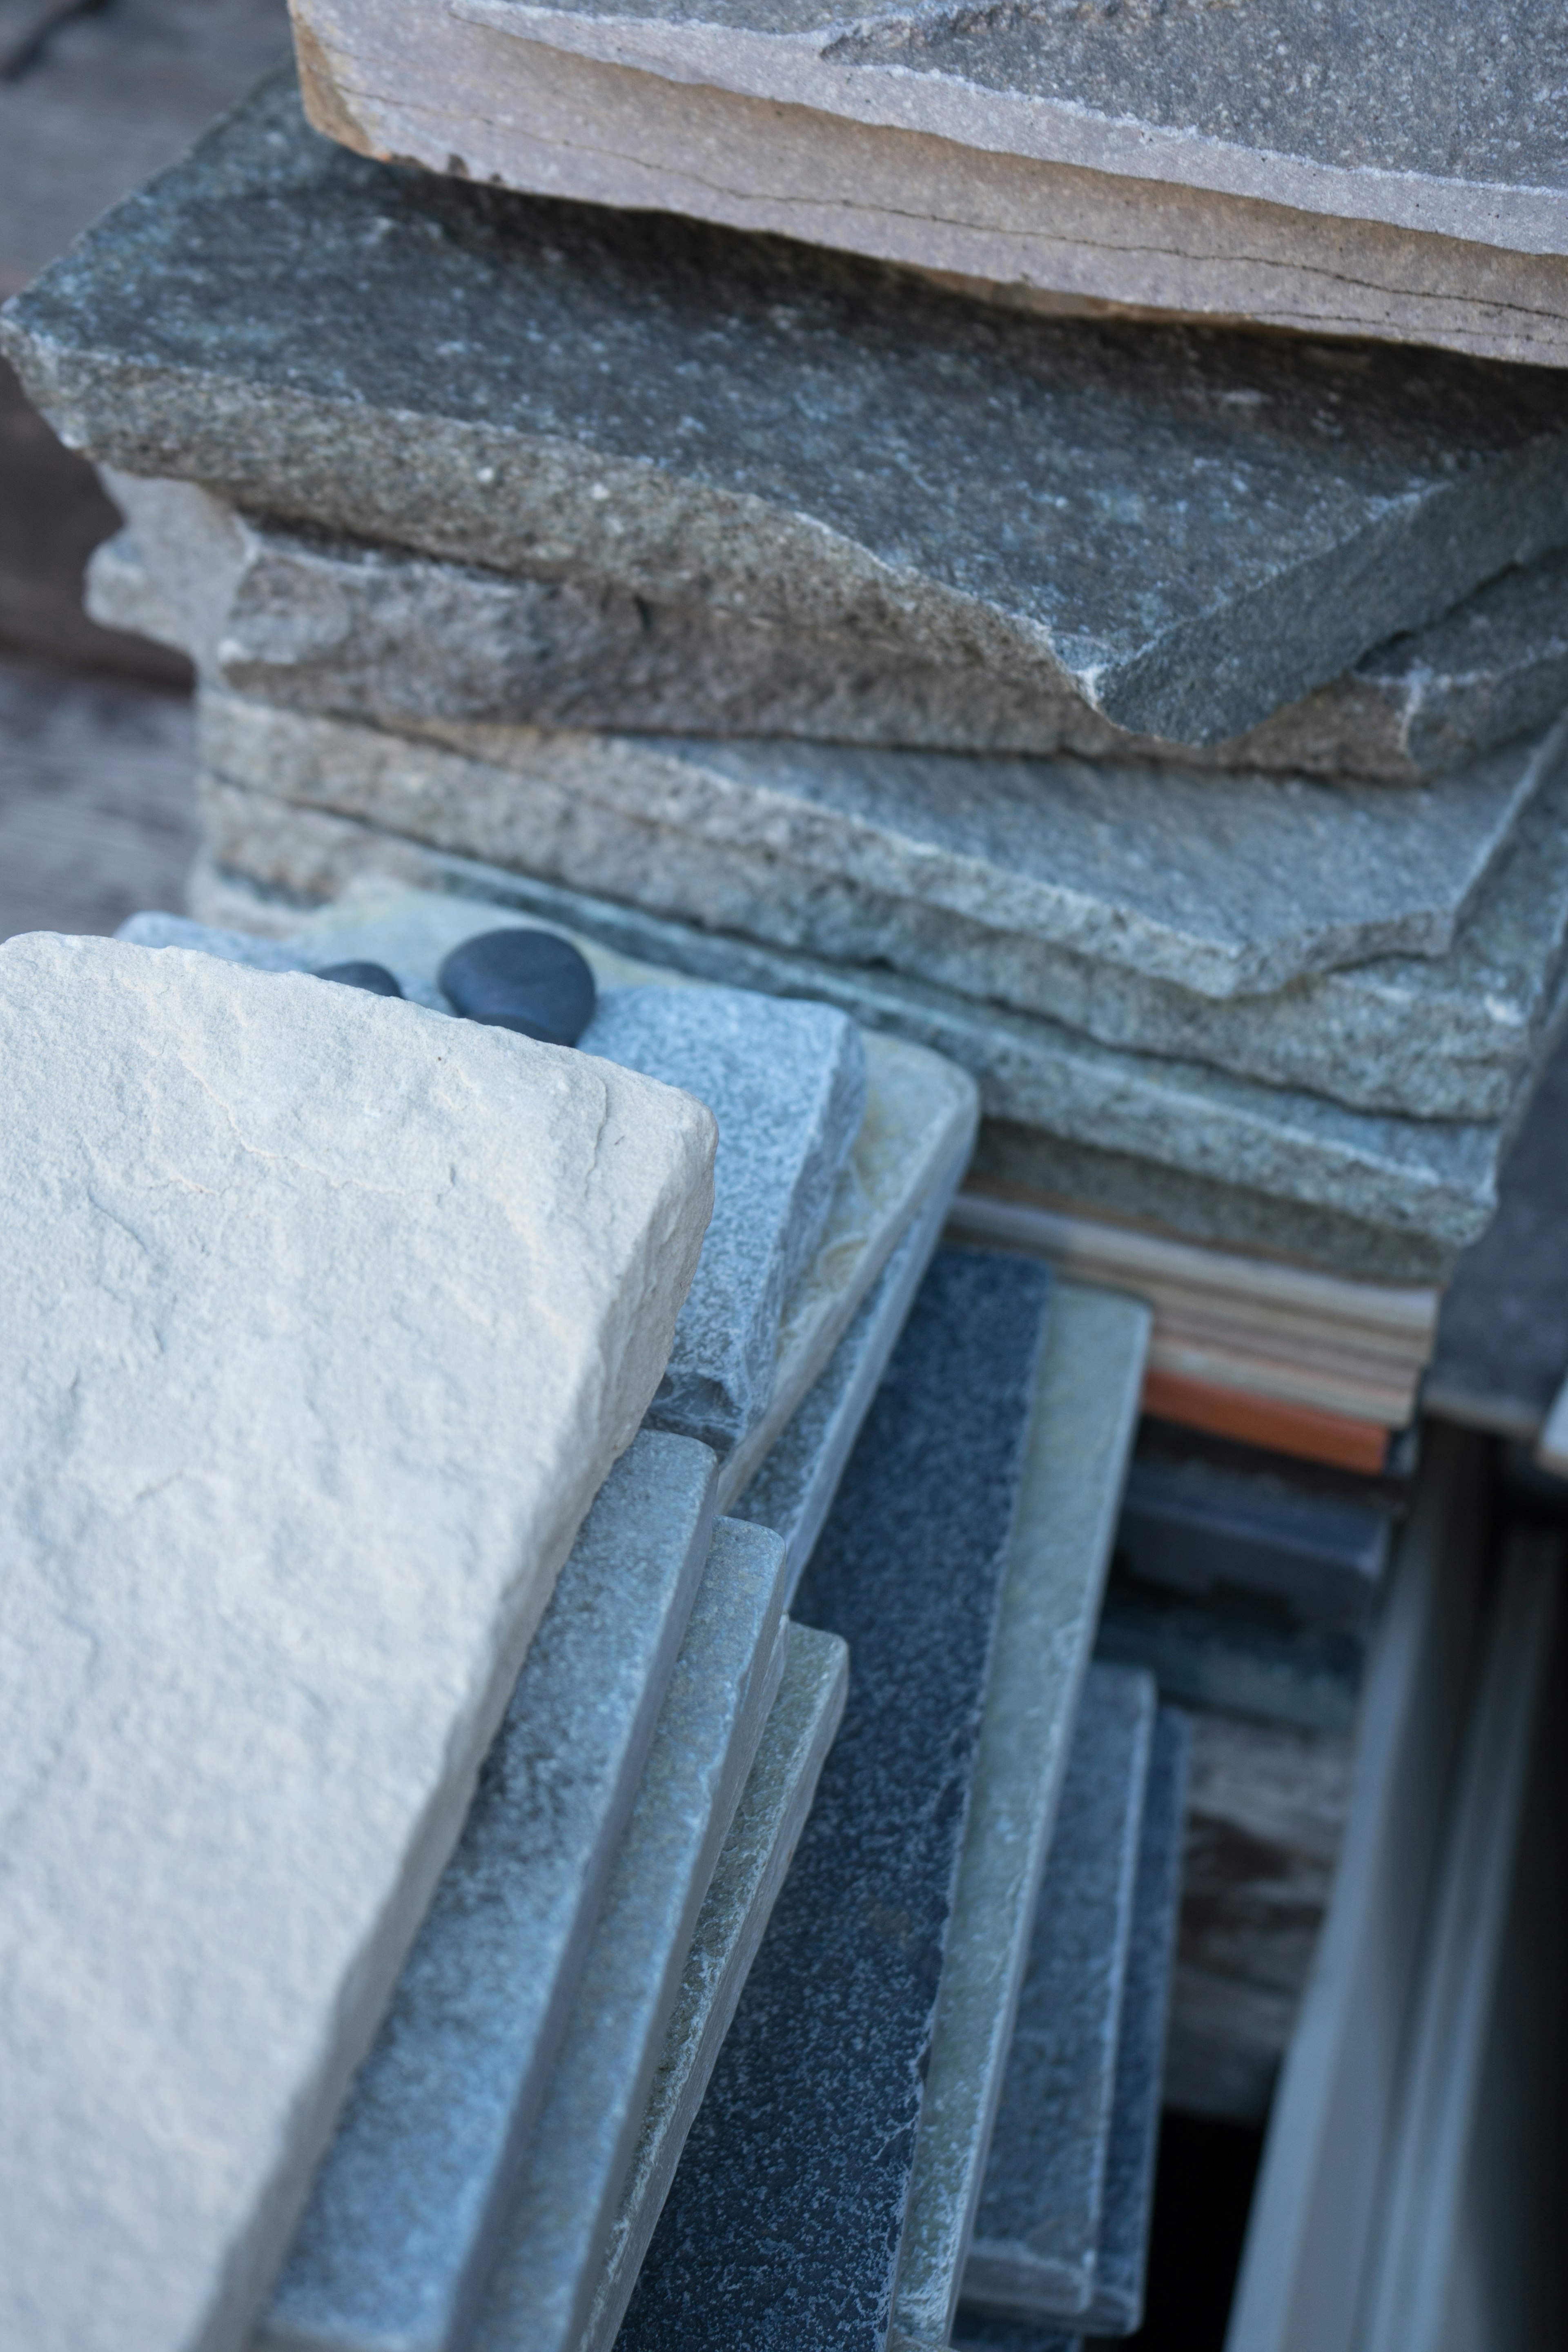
pixel 1162 723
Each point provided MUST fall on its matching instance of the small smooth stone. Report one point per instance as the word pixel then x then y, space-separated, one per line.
pixel 373 978
pixel 533 982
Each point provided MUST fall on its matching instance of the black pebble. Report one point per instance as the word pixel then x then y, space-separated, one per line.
pixel 528 981
pixel 356 974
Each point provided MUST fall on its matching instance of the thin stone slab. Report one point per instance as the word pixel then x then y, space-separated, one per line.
pixel 986 873
pixel 1280 168
pixel 404 2214
pixel 1091 1382
pixel 783 2223
pixel 560 2220
pixel 273 1573
pixel 746 1880
pixel 1183 529
pixel 1011 883
pixel 1037 2227
pixel 335 626
pixel 1235 1654
pixel 1163 1139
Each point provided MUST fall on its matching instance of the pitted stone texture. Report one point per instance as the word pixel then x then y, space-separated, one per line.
pixel 1037 2227
pixel 287 1479
pixel 971 876
pixel 1212 1156
pixel 746 1880
pixel 1085 1415
pixel 781 2226
pixel 1184 528
pixel 1098 155
pixel 786 1084
pixel 406 2209
pixel 313 623
pixel 560 2222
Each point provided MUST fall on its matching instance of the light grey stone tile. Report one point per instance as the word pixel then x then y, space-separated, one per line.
pixel 1186 529
pixel 1208 1154
pixel 1092 1377
pixel 751 1869
pixel 932 866
pixel 314 623
pixel 1221 886
pixel 560 2219
pixel 975 147
pixel 786 1083
pixel 1037 2227
pixel 404 2215
pixel 287 1486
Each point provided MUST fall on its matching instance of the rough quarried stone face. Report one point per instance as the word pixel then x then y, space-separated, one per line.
pixel 326 1319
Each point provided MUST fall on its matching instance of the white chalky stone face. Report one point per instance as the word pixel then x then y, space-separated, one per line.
pixel 325 1318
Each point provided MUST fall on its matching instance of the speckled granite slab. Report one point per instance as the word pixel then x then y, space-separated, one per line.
pixel 745 1884
pixel 1183 529
pixel 404 2216
pixel 784 2219
pixel 1088 1400
pixel 1038 2222
pixel 559 2219
pixel 314 622
pixel 1302 170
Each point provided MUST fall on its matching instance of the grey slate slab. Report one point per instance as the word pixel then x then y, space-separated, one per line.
pixel 783 2223
pixel 1041 2208
pixel 317 623
pixel 1091 1384
pixel 786 1083
pixel 746 1879
pixel 1017 885
pixel 560 2217
pixel 1312 1546
pixel 958 868
pixel 1236 1653
pixel 1163 1139
pixel 402 2218
pixel 1188 529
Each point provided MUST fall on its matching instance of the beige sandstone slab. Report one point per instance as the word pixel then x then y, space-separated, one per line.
pixel 326 1319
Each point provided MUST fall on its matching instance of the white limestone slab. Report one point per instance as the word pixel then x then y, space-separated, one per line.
pixel 751 1869
pixel 719 1700
pixel 403 2213
pixel 1086 1413
pixel 287 1479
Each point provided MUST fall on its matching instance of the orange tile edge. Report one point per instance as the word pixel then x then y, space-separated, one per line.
pixel 1303 1429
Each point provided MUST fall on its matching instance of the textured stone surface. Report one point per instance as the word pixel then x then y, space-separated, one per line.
pixel 1092 1378
pixel 1190 530
pixel 783 2223
pixel 1153 159
pixel 1153 1137
pixel 315 623
pixel 971 876
pixel 293 1533
pixel 1037 2227
pixel 560 2217
pixel 750 1871
pixel 403 2213
pixel 786 1083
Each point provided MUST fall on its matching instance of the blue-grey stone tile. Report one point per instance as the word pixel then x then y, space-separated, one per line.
pixel 783 2226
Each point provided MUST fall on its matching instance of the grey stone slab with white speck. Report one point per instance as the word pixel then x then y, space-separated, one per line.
pixel 1147 916
pixel 287 1485
pixel 1155 1137
pixel 317 623
pixel 1091 1384
pixel 783 2223
pixel 404 2213
pixel 1037 2227
pixel 1304 169
pixel 560 2217
pixel 746 1880
pixel 1187 528
pixel 786 1083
